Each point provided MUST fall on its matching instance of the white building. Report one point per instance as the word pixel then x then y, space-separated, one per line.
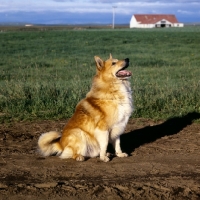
pixel 154 21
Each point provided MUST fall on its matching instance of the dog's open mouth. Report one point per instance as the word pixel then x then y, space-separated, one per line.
pixel 122 73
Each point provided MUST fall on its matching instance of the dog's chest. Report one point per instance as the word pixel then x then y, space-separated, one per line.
pixel 125 104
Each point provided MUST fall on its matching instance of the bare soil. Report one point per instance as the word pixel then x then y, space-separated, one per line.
pixel 164 163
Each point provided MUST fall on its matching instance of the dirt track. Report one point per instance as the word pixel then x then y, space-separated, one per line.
pixel 164 163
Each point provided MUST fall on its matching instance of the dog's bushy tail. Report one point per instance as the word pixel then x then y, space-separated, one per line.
pixel 49 144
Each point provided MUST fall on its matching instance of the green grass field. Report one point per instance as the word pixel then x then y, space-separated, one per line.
pixel 45 73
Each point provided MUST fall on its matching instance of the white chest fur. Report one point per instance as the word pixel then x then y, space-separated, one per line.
pixel 125 104
pixel 124 110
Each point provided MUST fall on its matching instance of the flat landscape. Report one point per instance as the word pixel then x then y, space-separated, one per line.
pixel 46 71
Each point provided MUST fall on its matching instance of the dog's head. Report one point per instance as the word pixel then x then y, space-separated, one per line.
pixel 112 68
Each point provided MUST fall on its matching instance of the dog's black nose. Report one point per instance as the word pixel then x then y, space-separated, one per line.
pixel 126 59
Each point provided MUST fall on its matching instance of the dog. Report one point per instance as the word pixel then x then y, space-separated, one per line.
pixel 99 118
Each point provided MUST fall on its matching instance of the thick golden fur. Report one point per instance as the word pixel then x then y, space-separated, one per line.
pixel 99 118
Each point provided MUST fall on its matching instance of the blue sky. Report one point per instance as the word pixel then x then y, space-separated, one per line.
pixel 93 11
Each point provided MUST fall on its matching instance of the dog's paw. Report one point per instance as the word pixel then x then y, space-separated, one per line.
pixel 79 158
pixel 108 154
pixel 122 155
pixel 104 158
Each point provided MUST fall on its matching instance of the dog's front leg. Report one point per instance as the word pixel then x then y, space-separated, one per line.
pixel 115 140
pixel 118 151
pixel 102 138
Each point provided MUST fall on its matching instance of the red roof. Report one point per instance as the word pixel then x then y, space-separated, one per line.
pixel 154 18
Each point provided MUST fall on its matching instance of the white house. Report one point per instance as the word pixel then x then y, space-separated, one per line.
pixel 28 24
pixel 154 21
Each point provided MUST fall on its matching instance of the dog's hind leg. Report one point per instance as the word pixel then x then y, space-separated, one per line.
pixel 67 153
pixel 79 157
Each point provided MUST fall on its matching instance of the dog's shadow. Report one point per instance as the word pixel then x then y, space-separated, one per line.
pixel 148 134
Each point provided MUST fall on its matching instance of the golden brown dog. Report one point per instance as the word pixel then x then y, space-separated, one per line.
pixel 99 118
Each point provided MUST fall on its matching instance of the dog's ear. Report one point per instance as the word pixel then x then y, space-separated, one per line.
pixel 99 62
pixel 110 56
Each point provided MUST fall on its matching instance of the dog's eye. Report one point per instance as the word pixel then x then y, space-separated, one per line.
pixel 113 63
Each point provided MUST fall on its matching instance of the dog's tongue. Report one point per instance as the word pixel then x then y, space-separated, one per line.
pixel 124 73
